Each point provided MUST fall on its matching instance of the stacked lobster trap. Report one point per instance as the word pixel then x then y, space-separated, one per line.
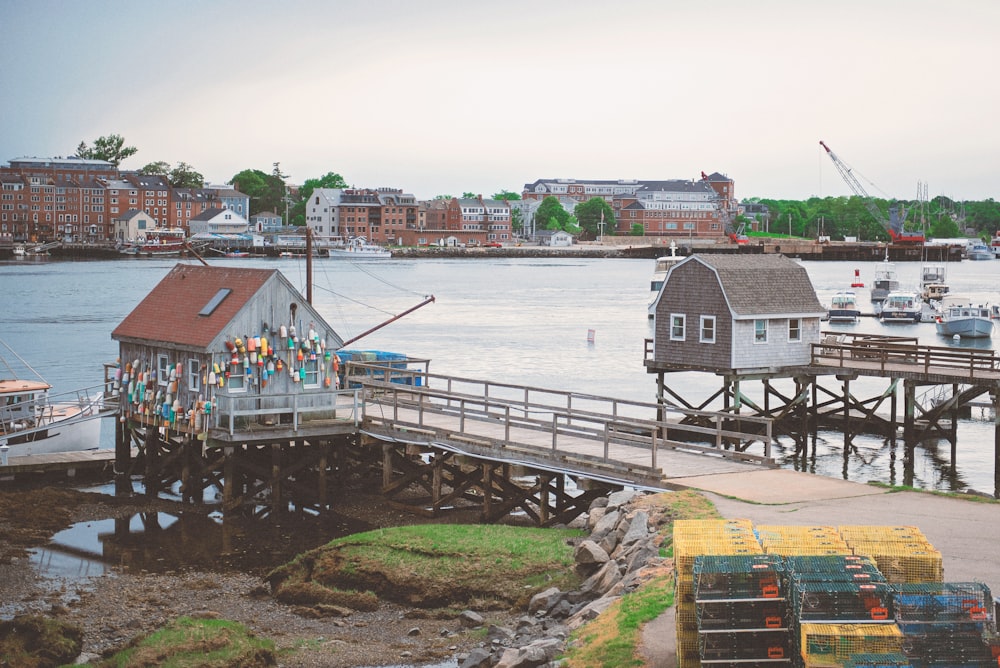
pixel 824 597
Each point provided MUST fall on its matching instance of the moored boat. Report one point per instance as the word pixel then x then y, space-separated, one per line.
pixel 34 421
pixel 844 307
pixel 886 281
pixel 932 282
pixel 979 251
pixel 158 241
pixel 663 265
pixel 358 247
pixel 901 306
pixel 962 318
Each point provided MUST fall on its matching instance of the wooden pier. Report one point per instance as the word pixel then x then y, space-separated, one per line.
pixel 950 379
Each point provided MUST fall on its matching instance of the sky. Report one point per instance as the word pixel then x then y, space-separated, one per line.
pixel 444 97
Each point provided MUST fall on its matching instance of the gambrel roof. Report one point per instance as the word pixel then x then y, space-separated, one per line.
pixel 766 284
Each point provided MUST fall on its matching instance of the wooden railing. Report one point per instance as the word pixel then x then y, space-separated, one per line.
pixel 886 352
pixel 407 399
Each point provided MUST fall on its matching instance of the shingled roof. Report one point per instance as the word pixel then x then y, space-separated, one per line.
pixel 767 284
pixel 169 313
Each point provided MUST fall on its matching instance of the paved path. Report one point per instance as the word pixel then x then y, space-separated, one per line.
pixel 966 533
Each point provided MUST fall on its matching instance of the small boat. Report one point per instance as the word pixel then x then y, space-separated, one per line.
pixel 995 245
pixel 358 247
pixel 932 282
pixel 960 317
pixel 979 251
pixel 663 265
pixel 19 251
pixel 158 241
pixel 885 281
pixel 901 306
pixel 33 421
pixel 844 307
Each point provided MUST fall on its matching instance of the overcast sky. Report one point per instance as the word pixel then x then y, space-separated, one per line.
pixel 450 96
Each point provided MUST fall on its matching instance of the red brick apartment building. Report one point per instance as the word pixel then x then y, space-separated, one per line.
pixel 78 200
pixel 675 207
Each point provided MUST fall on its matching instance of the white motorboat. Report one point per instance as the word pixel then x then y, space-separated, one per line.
pixel 932 282
pixel 663 265
pixel 357 248
pixel 19 251
pixel 979 251
pixel 844 307
pixel 901 306
pixel 962 318
pixel 33 421
pixel 886 281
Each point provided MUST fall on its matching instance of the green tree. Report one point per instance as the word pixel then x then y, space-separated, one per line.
pixel 551 210
pixel 295 205
pixel 592 214
pixel 184 176
pixel 637 230
pixel 159 168
pixel 468 195
pixel 266 191
pixel 111 148
pixel 507 195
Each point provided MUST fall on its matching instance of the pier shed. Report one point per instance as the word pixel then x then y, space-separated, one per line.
pixel 205 333
pixel 735 314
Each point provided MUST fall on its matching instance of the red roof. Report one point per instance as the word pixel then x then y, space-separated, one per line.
pixel 169 313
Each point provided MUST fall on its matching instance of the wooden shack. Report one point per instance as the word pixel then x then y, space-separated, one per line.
pixel 210 342
pixel 735 314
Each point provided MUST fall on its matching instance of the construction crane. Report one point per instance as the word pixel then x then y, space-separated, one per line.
pixel 736 235
pixel 894 226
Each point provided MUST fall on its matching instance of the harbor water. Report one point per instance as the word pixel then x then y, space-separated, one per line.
pixel 568 323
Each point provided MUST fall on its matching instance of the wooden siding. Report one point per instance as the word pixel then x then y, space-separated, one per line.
pixel 778 351
pixel 693 290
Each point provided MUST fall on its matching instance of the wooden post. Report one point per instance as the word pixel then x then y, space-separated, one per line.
pixel 487 490
pixel 386 465
pixel 123 458
pixel 276 501
pixel 229 479
pixel 909 400
pixel 543 499
pixel 321 472
pixel 847 414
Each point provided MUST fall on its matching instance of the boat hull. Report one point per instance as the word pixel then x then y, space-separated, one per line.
pixel 966 328
pixel 66 436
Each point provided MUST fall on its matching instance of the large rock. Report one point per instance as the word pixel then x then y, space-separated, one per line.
pixel 544 601
pixel 638 528
pixel 594 516
pixel 477 658
pixel 589 555
pixel 536 654
pixel 603 580
pixel 618 499
pixel 606 524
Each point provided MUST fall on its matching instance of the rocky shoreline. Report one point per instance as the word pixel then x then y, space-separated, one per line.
pixel 618 555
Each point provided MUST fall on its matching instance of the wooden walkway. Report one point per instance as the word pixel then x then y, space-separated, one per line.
pixel 600 438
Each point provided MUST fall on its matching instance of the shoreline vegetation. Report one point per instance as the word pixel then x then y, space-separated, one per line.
pixel 413 575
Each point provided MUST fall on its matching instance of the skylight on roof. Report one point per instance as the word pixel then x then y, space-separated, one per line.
pixel 214 302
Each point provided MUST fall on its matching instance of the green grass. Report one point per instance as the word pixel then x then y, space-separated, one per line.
pixel 188 642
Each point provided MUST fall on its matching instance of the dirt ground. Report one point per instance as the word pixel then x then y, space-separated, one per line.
pixel 147 589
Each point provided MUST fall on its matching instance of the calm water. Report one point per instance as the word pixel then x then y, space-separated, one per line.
pixel 512 320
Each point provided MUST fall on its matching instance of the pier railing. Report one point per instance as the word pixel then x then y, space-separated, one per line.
pixel 893 354
pixel 234 412
pixel 496 415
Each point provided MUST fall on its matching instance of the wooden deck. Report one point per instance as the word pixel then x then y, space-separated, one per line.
pixel 60 461
pixel 600 438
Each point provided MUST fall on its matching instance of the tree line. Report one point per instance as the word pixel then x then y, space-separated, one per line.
pixel 835 217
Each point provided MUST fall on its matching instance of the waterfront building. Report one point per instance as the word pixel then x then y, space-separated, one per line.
pixel 713 313
pixel 266 222
pixel 675 207
pixel 218 221
pixel 471 221
pixel 132 226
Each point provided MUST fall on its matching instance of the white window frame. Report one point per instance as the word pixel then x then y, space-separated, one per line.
pixel 312 378
pixel 706 320
pixel 162 369
pixel 194 375
pixel 238 371
pixel 797 330
pixel 760 333
pixel 678 320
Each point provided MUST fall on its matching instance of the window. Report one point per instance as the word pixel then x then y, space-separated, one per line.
pixel 794 329
pixel 237 377
pixel 677 326
pixel 311 378
pixel 707 329
pixel 760 331
pixel 194 376
pixel 162 369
